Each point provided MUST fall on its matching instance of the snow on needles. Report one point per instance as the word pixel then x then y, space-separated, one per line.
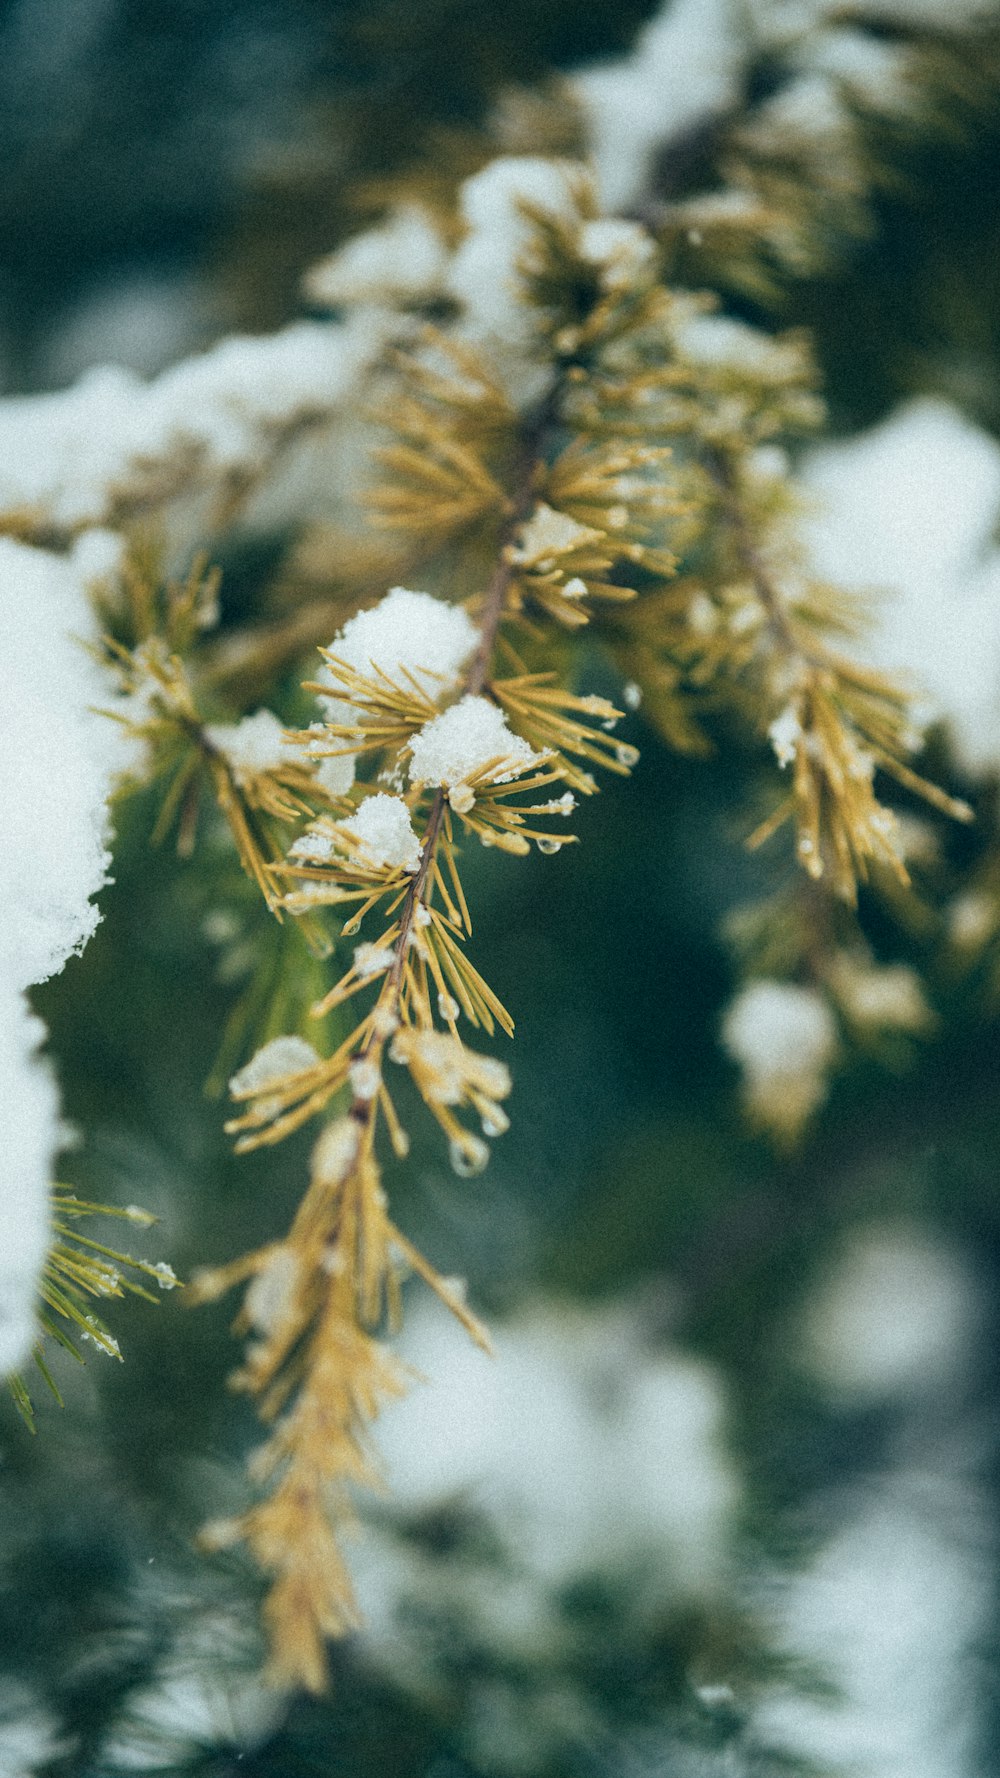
pixel 485 274
pixel 255 744
pixel 911 507
pixel 896 1316
pixel 407 632
pixel 576 1394
pixel 385 835
pixel 686 66
pixel 403 260
pixel 406 635
pixel 58 760
pixel 274 1061
pixel 693 61
pixel 90 454
pixel 470 736
pixel 784 1039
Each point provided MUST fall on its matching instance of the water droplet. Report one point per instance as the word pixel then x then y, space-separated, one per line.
pixel 448 1007
pixel 548 846
pixel 626 755
pixel 468 1156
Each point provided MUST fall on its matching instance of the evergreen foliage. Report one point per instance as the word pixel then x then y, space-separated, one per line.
pixel 530 508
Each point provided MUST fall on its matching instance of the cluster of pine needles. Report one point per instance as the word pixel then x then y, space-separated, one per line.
pixel 627 507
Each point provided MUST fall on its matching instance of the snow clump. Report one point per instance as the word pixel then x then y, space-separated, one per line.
pixel 407 632
pixel 686 66
pixel 485 275
pixel 87 455
pixel 274 1061
pixel 897 1315
pixel 402 260
pixel 470 736
pixel 911 508
pixel 256 744
pixel 59 759
pixel 583 1449
pixel 784 1039
pixel 383 828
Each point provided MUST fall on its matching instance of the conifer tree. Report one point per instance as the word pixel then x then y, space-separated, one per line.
pixel 318 640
